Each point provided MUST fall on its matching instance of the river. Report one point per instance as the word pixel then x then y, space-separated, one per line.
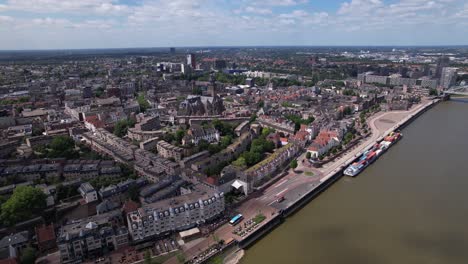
pixel 410 206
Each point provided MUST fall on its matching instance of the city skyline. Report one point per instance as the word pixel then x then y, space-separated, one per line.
pixel 53 24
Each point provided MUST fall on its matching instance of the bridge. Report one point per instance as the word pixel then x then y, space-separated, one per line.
pixel 457 90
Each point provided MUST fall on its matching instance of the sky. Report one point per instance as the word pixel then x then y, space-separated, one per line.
pixel 78 24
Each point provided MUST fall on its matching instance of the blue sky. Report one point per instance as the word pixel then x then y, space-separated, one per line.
pixel 61 24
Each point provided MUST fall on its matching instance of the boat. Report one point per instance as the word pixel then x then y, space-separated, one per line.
pixel 372 154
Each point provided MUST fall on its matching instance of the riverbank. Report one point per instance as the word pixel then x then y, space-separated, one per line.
pixel 411 201
pixel 335 171
pixel 300 189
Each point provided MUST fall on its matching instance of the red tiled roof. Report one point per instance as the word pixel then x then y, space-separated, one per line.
pixel 45 233
pixel 210 180
pixel 129 206
pixel 8 261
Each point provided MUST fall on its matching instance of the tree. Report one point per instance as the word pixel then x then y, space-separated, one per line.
pixel 62 147
pixel 144 105
pixel 28 255
pixel 197 91
pixel 203 145
pixel 121 127
pixel 147 257
pixel 180 135
pixel 168 137
pixel 180 257
pixel 240 162
pixel 293 164
pixel 25 202
pixel 260 104
pixel 133 193
pixel 253 117
pixel 308 155
pixel 348 137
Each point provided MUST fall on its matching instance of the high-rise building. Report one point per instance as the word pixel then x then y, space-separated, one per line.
pixel 448 77
pixel 442 62
pixel 191 60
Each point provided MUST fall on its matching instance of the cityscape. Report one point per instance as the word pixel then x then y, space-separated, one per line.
pixel 230 153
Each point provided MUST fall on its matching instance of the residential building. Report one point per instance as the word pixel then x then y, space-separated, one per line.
pixel 169 151
pixel 91 237
pixel 197 133
pixel 88 192
pixel 174 214
pixel 45 236
pixel 448 77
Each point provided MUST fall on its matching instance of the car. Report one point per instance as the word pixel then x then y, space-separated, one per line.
pixel 280 199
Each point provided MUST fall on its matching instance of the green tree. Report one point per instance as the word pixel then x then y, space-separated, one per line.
pixel 147 257
pixel 308 155
pixel 253 117
pixel 133 193
pixel 240 162
pixel 28 256
pixel 197 91
pixel 25 202
pixel 62 147
pixel 144 105
pixel 225 141
pixel 203 145
pixel 99 92
pixel 180 134
pixel 293 164
pixel 168 137
pixel 260 104
pixel 180 257
pixel 121 127
pixel 348 137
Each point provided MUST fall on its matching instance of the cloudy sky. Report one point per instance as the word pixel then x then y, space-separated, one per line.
pixel 52 24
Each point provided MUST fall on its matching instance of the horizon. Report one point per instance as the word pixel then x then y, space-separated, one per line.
pixel 242 46
pixel 120 24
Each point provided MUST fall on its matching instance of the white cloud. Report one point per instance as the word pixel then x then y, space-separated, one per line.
pixel 257 10
pixel 277 2
pixel 5 19
pixel 295 14
pixel 103 7
pixel 212 22
pixel 359 6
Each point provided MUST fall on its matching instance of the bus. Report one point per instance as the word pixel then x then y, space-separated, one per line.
pixel 236 219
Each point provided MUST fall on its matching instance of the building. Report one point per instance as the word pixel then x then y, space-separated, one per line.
pixel 257 173
pixel 7 147
pixel 169 151
pixel 191 62
pixel 45 236
pixel 197 133
pixel 91 237
pixel 442 62
pixel 174 214
pixel 448 77
pixel 88 192
pixel 15 242
pixel 324 141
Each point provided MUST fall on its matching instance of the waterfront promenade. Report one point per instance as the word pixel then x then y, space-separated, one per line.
pixel 302 181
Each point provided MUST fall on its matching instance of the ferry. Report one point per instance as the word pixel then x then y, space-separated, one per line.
pixel 372 154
